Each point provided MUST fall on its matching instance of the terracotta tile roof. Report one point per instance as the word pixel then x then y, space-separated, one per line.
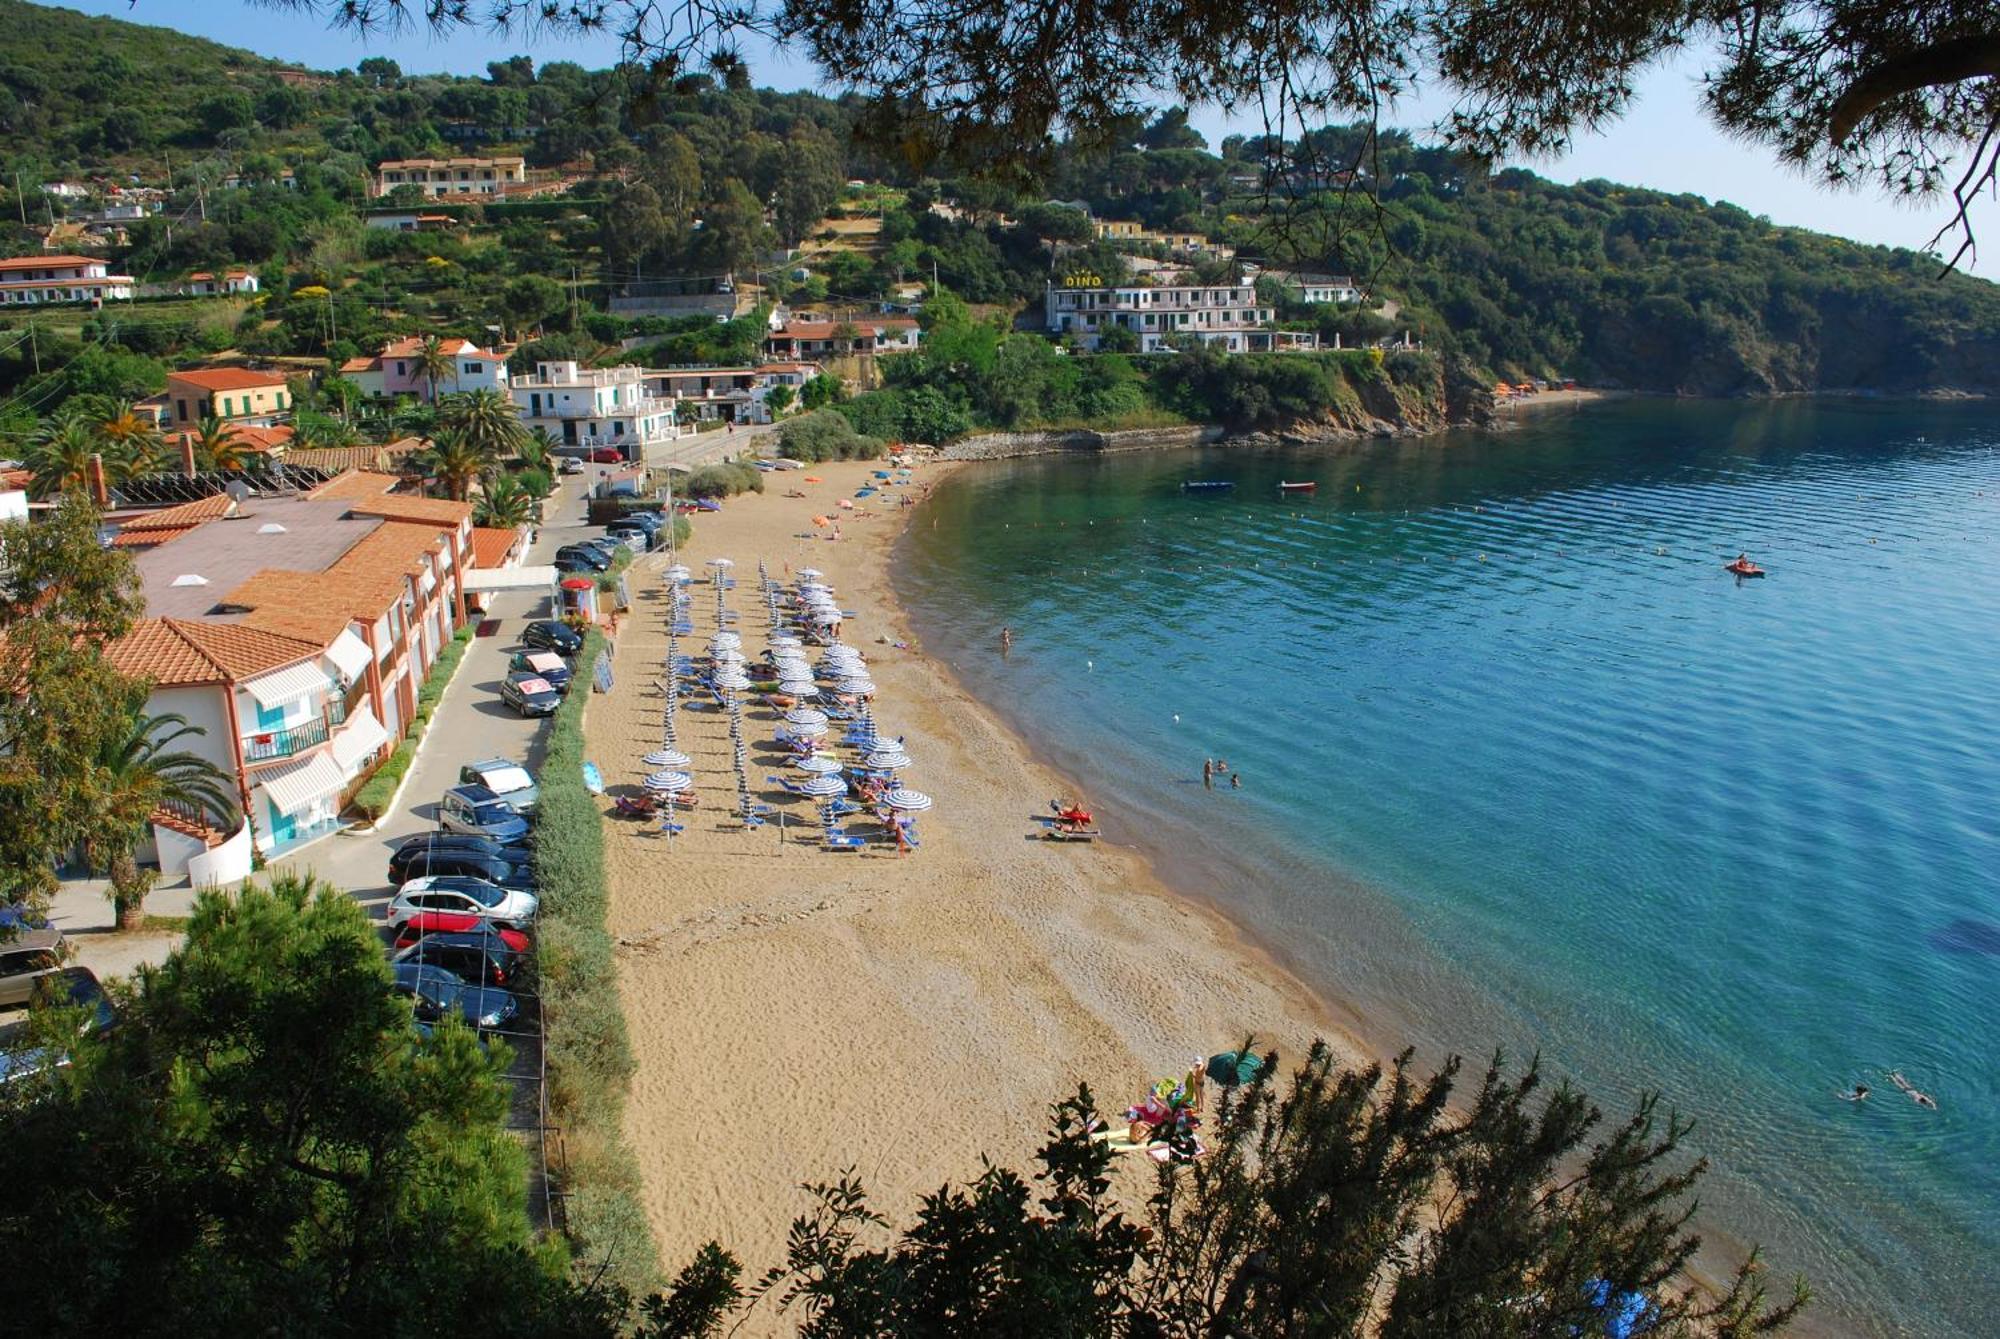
pixel 360 365
pixel 148 539
pixel 880 325
pixel 363 583
pixel 355 486
pixel 227 378
pixel 37 262
pixel 491 545
pixel 174 651
pixel 372 458
pixel 157 527
pixel 12 479
pixel 434 511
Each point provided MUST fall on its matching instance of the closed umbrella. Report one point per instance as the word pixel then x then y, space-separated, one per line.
pixel 673 758
pixel 904 800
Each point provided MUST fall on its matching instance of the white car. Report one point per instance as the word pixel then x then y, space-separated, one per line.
pixel 462 896
pixel 505 778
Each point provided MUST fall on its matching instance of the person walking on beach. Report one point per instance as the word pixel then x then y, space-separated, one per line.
pixel 1208 774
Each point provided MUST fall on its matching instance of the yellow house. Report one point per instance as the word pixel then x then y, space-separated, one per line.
pixel 235 394
pixel 1125 229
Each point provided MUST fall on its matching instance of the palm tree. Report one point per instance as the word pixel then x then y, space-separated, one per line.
pixel 134 776
pixel 433 363
pixel 452 461
pixel 218 447
pixel 487 419
pixel 59 453
pixel 504 503
pixel 341 395
pixel 535 448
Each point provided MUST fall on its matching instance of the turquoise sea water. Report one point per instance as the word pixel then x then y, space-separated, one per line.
pixel 1524 767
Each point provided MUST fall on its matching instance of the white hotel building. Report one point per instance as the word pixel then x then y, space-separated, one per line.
pixel 44 279
pixel 1228 316
pixel 594 407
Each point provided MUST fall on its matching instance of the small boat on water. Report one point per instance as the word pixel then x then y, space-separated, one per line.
pixel 1743 567
pixel 1207 485
pixel 1309 486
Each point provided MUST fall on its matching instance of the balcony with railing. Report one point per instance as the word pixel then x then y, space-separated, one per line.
pixel 265 745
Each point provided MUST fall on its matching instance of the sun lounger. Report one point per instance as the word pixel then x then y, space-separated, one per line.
pixel 839 839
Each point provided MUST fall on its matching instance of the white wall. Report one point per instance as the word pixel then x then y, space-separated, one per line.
pixel 203 706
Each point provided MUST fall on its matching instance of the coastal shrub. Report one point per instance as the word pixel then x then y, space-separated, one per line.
pixel 585 1043
pixel 723 480
pixel 375 795
pixel 825 434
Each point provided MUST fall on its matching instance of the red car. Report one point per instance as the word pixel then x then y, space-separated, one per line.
pixel 451 922
pixel 606 455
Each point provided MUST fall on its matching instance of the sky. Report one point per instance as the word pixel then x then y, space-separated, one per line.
pixel 1663 141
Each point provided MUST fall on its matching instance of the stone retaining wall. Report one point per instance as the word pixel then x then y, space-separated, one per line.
pixel 1003 445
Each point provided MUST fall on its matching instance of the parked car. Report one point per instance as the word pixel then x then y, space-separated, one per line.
pixel 27 959
pixel 456 853
pixel 606 455
pixel 632 535
pixel 549 635
pixel 575 565
pixel 454 922
pixel 67 987
pixel 461 895
pixel 506 778
pixel 597 558
pixel 530 694
pixel 544 664
pixel 479 811
pixel 571 465
pixel 472 955
pixel 437 994
pixel 601 544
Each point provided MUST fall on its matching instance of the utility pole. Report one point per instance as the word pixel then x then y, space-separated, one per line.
pixel 34 349
pixel 20 200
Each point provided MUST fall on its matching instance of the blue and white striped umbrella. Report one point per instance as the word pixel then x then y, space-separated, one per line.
pixel 734 680
pixel 669 783
pixel 908 801
pixel 725 640
pixel 807 731
pixel 823 786
pixel 856 684
pixel 818 764
pixel 887 759
pixel 805 716
pixel 673 758
pixel 798 688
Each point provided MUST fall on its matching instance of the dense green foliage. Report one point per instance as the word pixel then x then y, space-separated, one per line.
pixel 264 1143
pixel 825 434
pixel 584 1041
pixel 724 480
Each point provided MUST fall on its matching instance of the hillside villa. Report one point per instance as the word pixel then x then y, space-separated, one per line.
pixel 47 279
pixel 452 176
pixel 595 407
pixel 394 370
pixel 1228 316
pixel 233 394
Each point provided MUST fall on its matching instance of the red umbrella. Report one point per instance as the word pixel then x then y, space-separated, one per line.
pixel 577 583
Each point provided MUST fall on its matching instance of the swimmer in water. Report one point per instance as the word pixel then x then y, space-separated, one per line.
pixel 1916 1094
pixel 1860 1094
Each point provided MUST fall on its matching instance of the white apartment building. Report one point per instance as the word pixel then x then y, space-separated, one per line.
pixel 452 176
pixel 41 279
pixel 1228 316
pixel 594 407
pixel 1326 288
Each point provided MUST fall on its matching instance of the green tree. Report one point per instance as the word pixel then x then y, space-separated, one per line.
pixel 453 462
pixel 59 453
pixel 266 1144
pixel 779 398
pixel 133 777
pixel 64 598
pixel 530 299
pixel 222 112
pixel 809 183
pixel 486 420
pixel 733 233
pixel 504 502
pixel 434 363
pixel 219 447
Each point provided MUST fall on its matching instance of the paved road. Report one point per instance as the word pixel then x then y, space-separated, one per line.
pixel 471 723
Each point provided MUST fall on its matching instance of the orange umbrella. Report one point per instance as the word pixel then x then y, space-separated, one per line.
pixel 821 520
pixel 814 479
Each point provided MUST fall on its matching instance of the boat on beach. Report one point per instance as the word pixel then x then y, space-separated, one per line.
pixel 1309 486
pixel 1207 485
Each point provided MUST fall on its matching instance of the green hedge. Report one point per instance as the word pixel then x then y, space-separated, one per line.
pixel 584 1040
pixel 379 790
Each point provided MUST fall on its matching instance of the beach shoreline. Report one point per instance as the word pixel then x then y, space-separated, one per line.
pixel 899 1016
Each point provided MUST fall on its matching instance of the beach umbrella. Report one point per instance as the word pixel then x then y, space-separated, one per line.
pixel 887 758
pixel 720 564
pixel 733 680
pixel 808 731
pixel 1232 1069
pixel 811 573
pixel 805 716
pixel 725 641
pixel 678 572
pixel 828 786
pixel 669 783
pixel 798 688
pixel 904 800
pixel 856 685
pixel 667 758
pixel 818 764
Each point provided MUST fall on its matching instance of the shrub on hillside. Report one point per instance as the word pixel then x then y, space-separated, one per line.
pixel 825 434
pixel 723 480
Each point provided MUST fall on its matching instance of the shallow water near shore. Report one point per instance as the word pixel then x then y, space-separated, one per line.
pixel 1525 768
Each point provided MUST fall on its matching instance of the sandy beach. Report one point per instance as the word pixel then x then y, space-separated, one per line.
pixel 796 1012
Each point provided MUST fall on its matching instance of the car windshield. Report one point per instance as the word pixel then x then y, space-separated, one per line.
pixel 492 813
pixel 483 893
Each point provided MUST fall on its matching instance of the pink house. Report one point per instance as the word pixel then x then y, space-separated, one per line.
pixel 394 371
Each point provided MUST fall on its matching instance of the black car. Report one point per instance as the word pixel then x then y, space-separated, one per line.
pixel 572 565
pixel 597 558
pixel 438 994
pixel 549 635
pixel 472 955
pixel 458 853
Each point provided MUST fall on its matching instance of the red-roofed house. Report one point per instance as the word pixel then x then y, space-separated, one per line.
pixel 43 279
pixel 394 370
pixel 235 394
pixel 833 339
pixel 207 284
